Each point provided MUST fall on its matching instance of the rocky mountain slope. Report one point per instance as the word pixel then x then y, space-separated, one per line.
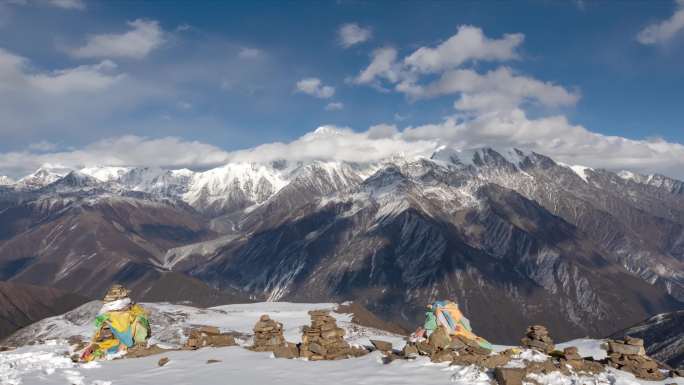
pixel 515 237
pixel 22 305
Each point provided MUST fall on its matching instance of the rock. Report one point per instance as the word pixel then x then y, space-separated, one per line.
pixel 425 348
pixel 509 376
pixel 410 350
pixel 634 341
pixel 456 344
pixel 324 340
pixel 496 360
pixel 621 348
pixel 209 330
pixel 440 338
pixel 537 337
pixel 383 346
pixel 288 351
pixel 268 335
pixel 442 356
pixel 212 361
pixel 163 361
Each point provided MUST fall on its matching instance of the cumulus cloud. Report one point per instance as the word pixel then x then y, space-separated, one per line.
pixel 351 34
pixel 665 30
pixel 334 106
pixel 496 89
pixel 314 87
pixel 469 43
pixel 143 37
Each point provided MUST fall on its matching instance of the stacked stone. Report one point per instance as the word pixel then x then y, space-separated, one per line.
pixel 208 336
pixel 324 340
pixel 571 357
pixel 268 335
pixel 537 338
pixel 629 355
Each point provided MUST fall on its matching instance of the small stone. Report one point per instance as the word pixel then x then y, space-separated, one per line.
pixel 509 376
pixel 634 341
pixel 213 361
pixel 264 318
pixel 288 351
pixel 163 361
pixel 383 346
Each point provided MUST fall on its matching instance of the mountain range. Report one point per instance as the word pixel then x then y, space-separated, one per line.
pixel 515 237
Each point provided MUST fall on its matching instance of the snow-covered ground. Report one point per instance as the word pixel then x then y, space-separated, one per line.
pixel 48 362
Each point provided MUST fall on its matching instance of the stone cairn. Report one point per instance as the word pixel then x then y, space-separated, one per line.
pixel 537 338
pixel 204 336
pixel 268 335
pixel 324 340
pixel 629 355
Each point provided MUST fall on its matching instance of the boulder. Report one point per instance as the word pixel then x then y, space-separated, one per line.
pixel 383 346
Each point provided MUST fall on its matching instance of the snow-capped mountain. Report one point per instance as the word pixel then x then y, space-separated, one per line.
pixel 42 177
pixel 6 181
pixel 586 251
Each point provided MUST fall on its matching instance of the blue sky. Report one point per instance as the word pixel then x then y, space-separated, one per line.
pixel 606 76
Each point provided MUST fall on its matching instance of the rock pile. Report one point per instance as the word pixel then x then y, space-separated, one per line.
pixel 571 357
pixel 324 340
pixel 537 338
pixel 207 336
pixel 268 335
pixel 442 347
pixel 629 355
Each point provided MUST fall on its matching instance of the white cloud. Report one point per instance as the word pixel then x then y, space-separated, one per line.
pixel 665 30
pixel 553 136
pixel 383 65
pixel 249 53
pixel 351 34
pixel 383 130
pixel 127 150
pixel 314 87
pixel 495 90
pixel 334 143
pixel 15 75
pixel 334 106
pixel 556 137
pixel 68 4
pixel 143 38
pixel 469 43
pixel 499 89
